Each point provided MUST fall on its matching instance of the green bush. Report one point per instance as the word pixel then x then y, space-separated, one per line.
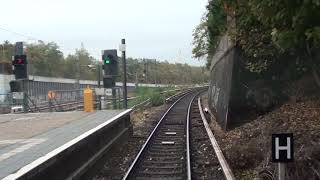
pixel 145 93
pixel 156 99
pixel 268 33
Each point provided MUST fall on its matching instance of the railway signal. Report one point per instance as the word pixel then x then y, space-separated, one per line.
pixel 108 82
pixel 110 67
pixel 110 62
pixel 15 86
pixel 19 62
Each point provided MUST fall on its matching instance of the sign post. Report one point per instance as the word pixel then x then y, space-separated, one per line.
pixel 99 84
pixel 282 152
pixel 281 171
pixel 122 48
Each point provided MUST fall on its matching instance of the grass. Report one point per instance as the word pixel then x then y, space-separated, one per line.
pixel 144 93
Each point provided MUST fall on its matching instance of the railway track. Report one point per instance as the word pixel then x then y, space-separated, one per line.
pixel 164 154
pixel 204 163
pixel 181 146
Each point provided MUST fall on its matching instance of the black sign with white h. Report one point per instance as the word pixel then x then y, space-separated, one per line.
pixel 282 147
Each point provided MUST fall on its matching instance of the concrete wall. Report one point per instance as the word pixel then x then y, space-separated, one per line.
pixel 221 80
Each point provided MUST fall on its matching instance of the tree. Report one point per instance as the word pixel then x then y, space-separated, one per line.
pixel 45 59
pixel 7 51
pixel 207 34
pixel 76 65
pixel 272 34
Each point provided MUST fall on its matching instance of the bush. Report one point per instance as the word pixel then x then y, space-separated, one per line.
pixel 156 99
pixel 145 93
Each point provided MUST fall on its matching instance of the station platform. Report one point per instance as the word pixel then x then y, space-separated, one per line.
pixel 28 140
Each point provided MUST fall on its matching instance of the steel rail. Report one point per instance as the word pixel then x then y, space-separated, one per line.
pixel 189 176
pixel 133 164
pixel 181 93
pixel 222 160
pixel 135 107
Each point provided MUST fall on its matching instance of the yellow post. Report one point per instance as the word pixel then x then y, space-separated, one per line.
pixel 88 100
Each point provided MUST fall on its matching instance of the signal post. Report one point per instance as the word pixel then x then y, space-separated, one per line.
pixel 20 70
pixel 110 67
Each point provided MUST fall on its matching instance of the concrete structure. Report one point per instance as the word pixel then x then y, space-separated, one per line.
pixel 36 145
pixel 221 76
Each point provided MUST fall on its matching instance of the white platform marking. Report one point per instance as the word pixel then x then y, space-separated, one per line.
pixel 27 145
pixel 24 118
pixel 11 141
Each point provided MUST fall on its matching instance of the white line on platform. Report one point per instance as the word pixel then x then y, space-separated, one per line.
pixel 53 153
pixel 27 145
pixel 24 118
pixel 10 141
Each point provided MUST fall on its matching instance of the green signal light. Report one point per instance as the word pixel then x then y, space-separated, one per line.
pixel 107 61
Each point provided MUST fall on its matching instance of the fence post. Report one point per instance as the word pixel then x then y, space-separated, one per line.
pixel 25 102
pixel 50 105
pixel 114 98
pixel 119 98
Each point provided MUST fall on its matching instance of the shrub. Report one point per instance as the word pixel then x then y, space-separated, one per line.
pixel 156 99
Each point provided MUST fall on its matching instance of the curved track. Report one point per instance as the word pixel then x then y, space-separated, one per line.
pixel 165 154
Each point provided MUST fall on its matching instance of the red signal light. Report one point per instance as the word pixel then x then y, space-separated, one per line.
pixel 20 60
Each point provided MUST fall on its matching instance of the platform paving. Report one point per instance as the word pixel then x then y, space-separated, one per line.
pixel 27 137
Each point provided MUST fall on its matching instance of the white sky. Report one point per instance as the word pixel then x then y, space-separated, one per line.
pixel 159 29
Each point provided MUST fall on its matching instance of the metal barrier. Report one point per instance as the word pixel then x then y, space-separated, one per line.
pixel 6 102
pixel 67 100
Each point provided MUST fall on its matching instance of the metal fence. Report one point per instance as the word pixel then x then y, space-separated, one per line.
pixel 5 103
pixel 62 100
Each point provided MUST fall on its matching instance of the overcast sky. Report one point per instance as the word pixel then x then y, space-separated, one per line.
pixel 159 29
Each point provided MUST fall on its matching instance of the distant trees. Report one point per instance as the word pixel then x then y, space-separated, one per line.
pixel 46 59
pixel 72 66
pixel 7 50
pixel 152 71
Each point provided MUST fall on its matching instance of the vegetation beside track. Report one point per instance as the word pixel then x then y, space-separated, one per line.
pixel 274 36
pixel 247 145
pixel 156 95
